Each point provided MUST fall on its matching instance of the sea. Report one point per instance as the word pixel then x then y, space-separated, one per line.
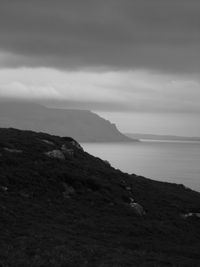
pixel 169 161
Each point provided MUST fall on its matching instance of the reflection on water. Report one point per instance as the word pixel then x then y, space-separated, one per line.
pixel 177 162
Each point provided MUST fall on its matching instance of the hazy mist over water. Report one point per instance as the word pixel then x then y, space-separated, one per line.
pixel 176 162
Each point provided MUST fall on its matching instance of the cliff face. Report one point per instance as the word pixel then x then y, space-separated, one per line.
pixel 60 206
pixel 83 125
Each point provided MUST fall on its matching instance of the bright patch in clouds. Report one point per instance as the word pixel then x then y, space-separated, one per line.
pixel 24 91
pixel 141 91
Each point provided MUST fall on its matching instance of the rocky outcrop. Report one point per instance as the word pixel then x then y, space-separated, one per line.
pixel 137 208
pixel 4 188
pixel 12 150
pixel 66 150
pixel 56 153
pixel 191 214
pixel 48 142
pixel 76 144
pixel 107 163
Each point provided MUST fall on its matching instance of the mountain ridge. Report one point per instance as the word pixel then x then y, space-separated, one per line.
pixel 82 125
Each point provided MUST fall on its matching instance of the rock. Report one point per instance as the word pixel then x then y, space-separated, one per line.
pixel 67 150
pixel 191 214
pixel 137 208
pixel 128 188
pixel 4 188
pixel 48 142
pixel 13 150
pixel 76 144
pixel 107 162
pixel 56 153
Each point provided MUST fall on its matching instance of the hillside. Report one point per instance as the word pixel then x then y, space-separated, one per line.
pixel 83 125
pixel 60 206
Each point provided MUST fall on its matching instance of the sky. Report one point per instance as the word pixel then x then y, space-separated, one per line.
pixel 134 62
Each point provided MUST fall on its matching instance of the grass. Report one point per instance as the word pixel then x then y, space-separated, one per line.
pixel 95 226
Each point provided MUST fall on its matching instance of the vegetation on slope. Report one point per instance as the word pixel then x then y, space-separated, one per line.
pixel 75 209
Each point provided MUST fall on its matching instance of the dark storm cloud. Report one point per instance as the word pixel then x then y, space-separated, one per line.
pixel 108 33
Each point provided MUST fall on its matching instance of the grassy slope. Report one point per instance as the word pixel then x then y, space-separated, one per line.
pixel 94 226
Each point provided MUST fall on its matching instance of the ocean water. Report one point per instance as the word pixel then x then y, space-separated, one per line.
pixel 176 162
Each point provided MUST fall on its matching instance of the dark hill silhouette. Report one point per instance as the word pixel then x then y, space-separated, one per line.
pixel 60 206
pixel 83 125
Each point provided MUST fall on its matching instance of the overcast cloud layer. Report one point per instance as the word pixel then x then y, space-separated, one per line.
pixel 156 34
pixel 126 59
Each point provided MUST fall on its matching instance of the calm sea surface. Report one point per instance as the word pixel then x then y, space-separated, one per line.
pixel 177 162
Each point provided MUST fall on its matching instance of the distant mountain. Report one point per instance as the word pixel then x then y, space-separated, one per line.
pixel 161 137
pixel 83 125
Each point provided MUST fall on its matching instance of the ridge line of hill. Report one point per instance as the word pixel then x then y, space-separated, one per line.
pixel 82 125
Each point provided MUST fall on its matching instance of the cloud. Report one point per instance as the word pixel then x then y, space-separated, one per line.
pixel 113 34
pixel 138 91
pixel 23 91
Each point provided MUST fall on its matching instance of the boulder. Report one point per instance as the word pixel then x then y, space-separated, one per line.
pixel 56 153
pixel 137 208
pixel 128 188
pixel 12 150
pixel 76 144
pixel 48 142
pixel 107 162
pixel 67 150
pixel 4 188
